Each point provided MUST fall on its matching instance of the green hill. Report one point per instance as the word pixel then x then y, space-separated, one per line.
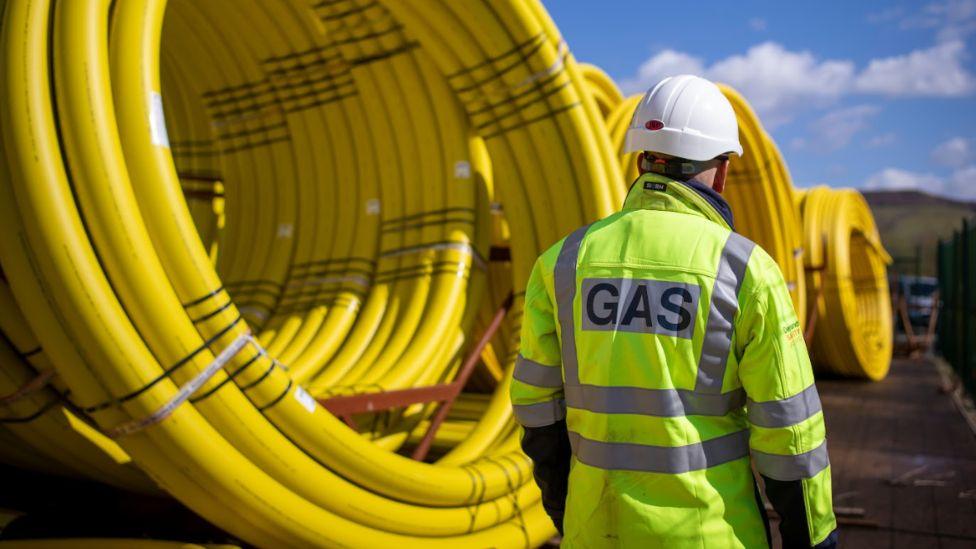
pixel 912 222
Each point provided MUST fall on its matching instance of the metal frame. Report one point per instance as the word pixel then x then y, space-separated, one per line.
pixel 445 394
pixel 814 314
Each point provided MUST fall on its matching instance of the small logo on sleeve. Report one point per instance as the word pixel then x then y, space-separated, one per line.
pixel 793 332
pixel 655 186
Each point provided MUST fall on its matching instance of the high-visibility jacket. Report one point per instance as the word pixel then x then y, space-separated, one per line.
pixel 665 349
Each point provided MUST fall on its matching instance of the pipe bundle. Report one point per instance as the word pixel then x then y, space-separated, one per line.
pixel 848 284
pixel 214 212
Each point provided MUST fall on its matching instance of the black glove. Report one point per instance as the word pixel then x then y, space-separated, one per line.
pixel 549 449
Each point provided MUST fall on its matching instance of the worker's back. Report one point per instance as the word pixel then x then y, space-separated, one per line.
pixel 654 310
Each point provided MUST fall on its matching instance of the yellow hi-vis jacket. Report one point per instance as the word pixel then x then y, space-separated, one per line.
pixel 669 348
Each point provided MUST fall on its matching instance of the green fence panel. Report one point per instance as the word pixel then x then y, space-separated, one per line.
pixel 957 324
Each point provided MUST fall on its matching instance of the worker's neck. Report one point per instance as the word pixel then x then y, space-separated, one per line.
pixel 706 177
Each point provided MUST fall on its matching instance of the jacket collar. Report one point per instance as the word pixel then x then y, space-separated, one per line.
pixel 652 191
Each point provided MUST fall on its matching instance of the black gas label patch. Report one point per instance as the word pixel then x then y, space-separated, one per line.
pixel 639 305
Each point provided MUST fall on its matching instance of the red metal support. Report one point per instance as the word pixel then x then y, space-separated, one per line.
pixel 906 322
pixel 32 385
pixel 813 316
pixel 933 319
pixel 814 313
pixel 918 343
pixel 345 406
pixel 420 452
pixel 364 403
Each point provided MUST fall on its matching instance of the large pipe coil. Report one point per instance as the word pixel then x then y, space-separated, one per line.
pixel 847 282
pixel 358 153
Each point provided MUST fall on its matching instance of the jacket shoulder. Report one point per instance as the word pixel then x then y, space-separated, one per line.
pixel 761 271
pixel 547 260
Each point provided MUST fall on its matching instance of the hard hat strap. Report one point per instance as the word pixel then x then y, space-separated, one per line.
pixel 678 168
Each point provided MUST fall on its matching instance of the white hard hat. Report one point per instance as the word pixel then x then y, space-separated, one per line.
pixel 684 116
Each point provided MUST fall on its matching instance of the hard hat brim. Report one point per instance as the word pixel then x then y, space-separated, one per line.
pixel 680 144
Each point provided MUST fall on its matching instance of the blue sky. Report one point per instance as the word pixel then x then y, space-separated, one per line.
pixel 867 94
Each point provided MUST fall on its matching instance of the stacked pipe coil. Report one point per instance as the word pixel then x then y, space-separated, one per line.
pixel 357 195
pixel 314 212
pixel 847 282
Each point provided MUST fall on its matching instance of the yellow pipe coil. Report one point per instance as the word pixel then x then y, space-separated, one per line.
pixel 357 189
pixel 58 440
pixel 603 89
pixel 331 178
pixel 853 336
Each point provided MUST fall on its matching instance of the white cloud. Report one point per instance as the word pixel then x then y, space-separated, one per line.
pixel 772 78
pixel 835 129
pixel 955 153
pixel 894 179
pixel 776 80
pixel 937 71
pixel 958 185
pixel 881 140
pixel 961 183
pixel 960 19
pixel 663 64
pixel 779 82
pixel 757 24
pixel 951 19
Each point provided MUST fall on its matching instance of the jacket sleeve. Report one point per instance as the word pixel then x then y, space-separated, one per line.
pixel 537 397
pixel 787 433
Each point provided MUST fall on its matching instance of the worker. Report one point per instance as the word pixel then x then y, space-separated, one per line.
pixel 660 351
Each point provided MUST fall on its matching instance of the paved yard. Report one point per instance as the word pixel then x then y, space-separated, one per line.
pixel 901 451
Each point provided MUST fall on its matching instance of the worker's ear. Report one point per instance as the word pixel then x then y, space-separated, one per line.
pixel 721 172
pixel 642 166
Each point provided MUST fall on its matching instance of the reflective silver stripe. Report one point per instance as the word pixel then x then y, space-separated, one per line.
pixel 540 414
pixel 721 313
pixel 797 467
pixel 660 459
pixel 786 412
pixel 564 284
pixel 538 375
pixel 652 402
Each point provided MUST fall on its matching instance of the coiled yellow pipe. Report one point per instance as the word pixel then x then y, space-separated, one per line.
pixel 352 286
pixel 617 123
pixel 848 283
pixel 760 193
pixel 603 89
pixel 61 441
